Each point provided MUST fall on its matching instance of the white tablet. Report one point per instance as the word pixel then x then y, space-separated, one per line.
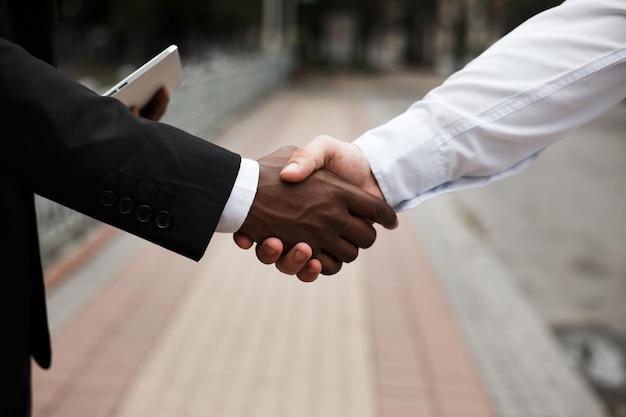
pixel 164 70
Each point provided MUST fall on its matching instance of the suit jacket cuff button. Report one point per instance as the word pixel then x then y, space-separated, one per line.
pixel 107 198
pixel 125 206
pixel 163 219
pixel 144 213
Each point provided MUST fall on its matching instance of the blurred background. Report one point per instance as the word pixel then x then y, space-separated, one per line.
pixel 558 228
pixel 358 35
pixel 267 44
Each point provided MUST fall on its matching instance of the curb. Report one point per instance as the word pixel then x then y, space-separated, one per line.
pixel 521 363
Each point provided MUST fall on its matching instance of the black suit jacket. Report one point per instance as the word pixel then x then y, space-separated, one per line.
pixel 66 143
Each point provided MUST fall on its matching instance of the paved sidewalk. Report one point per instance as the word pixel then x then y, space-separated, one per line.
pixel 425 323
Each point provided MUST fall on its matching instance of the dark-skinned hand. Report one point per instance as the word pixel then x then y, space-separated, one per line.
pixel 332 216
pixel 155 109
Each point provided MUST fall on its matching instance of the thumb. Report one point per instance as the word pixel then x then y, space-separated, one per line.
pixel 304 161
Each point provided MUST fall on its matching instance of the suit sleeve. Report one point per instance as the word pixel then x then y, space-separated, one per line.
pixel 87 152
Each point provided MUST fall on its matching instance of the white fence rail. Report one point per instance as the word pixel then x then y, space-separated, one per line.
pixel 213 93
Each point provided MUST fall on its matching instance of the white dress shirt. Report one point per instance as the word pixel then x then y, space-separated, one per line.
pixel 552 74
pixel 241 197
pixel 493 118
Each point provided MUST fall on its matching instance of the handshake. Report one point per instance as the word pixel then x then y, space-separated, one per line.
pixel 314 208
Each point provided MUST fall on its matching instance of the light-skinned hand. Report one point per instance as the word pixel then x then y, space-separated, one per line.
pixel 333 217
pixel 343 159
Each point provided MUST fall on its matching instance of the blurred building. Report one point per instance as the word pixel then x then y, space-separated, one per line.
pixel 353 34
pixel 465 28
pixel 389 34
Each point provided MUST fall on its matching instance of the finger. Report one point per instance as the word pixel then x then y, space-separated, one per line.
pixel 359 232
pixel 304 161
pixel 155 109
pixel 311 271
pixel 372 208
pixel 163 99
pixel 330 265
pixel 339 248
pixel 295 260
pixel 269 251
pixel 134 111
pixel 243 241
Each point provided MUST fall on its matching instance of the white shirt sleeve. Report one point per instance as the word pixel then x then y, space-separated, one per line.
pixel 241 197
pixel 491 119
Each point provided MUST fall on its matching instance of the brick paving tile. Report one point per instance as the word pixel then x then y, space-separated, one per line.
pixel 250 342
pixel 439 378
pixel 96 354
pixel 172 338
pixel 266 345
pixel 390 407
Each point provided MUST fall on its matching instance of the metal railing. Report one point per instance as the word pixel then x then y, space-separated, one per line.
pixel 214 91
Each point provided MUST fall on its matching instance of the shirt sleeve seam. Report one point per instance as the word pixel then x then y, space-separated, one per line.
pixel 522 100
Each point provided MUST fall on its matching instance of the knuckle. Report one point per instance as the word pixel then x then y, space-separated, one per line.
pixel 339 221
pixel 321 138
pixel 299 153
pixel 331 268
pixel 369 239
pixel 351 255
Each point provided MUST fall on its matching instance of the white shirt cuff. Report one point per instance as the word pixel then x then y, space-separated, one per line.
pixel 241 197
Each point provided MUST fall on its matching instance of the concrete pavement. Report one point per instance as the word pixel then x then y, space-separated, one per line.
pixel 426 323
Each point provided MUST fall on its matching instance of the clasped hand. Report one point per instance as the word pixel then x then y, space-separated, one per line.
pixel 319 220
pixel 305 219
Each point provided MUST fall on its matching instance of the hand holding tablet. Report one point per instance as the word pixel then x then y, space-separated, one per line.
pixel 162 71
